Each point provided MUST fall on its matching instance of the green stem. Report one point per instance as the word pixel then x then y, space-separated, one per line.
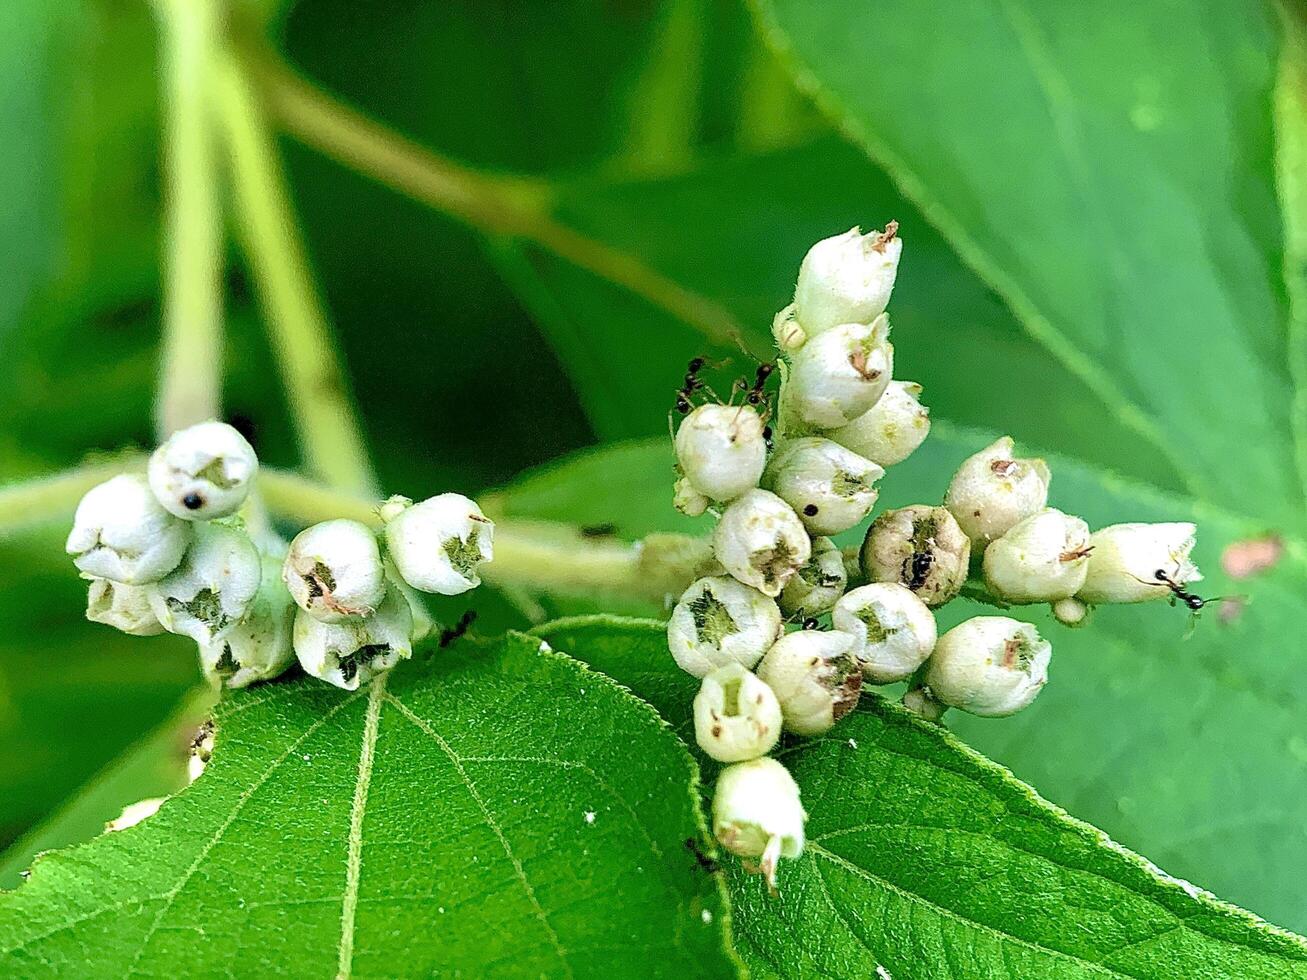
pixel 535 556
pixel 329 432
pixel 492 205
pixel 190 384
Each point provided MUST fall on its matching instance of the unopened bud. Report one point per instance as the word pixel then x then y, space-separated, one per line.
pixel 258 648
pixel 1040 559
pixel 213 587
pixel 993 490
pixel 847 278
pixel 203 472
pixel 891 430
pixel 920 703
pixel 688 500
pixel 920 547
pixel 829 487
pixel 1070 612
pixel 717 622
pixel 120 532
pixel 815 677
pixel 721 450
pixel 124 607
pixel 352 652
pixel 736 716
pixel 757 814
pixel 989 665
pixel 840 374
pixel 334 571
pixel 761 541
pixel 816 586
pixel 789 336
pixel 892 629
pixel 1135 562
pixel 439 544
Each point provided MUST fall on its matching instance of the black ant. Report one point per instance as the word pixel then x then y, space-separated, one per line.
pixel 459 629
pixel 755 394
pixel 706 863
pixel 810 623
pixel 691 385
pixel 1194 603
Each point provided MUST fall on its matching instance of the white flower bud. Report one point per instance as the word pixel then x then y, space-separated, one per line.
pixel 789 336
pixel 203 472
pixel 439 544
pixel 121 533
pixel 423 622
pixel 920 547
pixel 352 652
pixel 840 374
pixel 891 430
pixel 717 622
pixel 815 677
pixel 817 584
pixel 1070 612
pixel 756 813
pixel 1040 559
pixel 847 278
pixel 829 487
pixel 258 648
pixel 736 716
pixel 992 491
pixel 761 542
pixel 212 588
pixel 334 570
pixel 921 704
pixel 989 665
pixel 721 450
pixel 892 629
pixel 688 500
pixel 124 607
pixel 1126 559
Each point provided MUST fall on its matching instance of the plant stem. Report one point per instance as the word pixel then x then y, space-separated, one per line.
pixel 496 206
pixel 535 556
pixel 190 383
pixel 329 432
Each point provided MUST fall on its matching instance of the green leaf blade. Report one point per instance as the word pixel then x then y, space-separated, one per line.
pixel 470 814
pixel 1153 276
pixel 928 860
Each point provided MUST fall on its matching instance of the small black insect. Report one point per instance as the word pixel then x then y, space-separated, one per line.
pixel 755 394
pixel 193 501
pixel 1178 591
pixel 767 436
pixel 810 510
pixel 705 862
pixel 917 568
pixel 690 386
pixel 810 623
pixel 606 530
pixel 459 629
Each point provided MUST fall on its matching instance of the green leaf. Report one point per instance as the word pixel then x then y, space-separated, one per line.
pixel 1122 200
pixel 928 860
pixel 153 767
pixel 1187 748
pixel 500 811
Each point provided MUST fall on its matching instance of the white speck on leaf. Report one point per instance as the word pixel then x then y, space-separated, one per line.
pixel 706 915
pixel 853 743
pixel 883 973
pixel 590 816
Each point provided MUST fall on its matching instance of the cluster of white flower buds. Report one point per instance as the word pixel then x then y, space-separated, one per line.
pixel 841 420
pixel 172 552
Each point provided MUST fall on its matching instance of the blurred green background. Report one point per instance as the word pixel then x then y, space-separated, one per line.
pixel 1100 260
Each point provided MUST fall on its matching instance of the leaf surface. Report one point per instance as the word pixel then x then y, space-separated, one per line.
pixel 500 811
pixel 928 860
pixel 1118 191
